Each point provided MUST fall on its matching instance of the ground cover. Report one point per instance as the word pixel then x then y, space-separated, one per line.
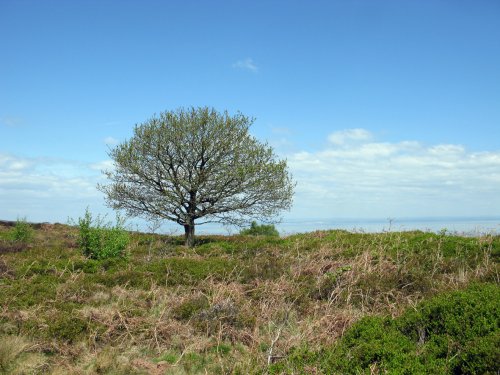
pixel 321 302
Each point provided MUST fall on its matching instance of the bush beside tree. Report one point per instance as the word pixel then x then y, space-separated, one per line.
pixel 101 240
pixel 260 230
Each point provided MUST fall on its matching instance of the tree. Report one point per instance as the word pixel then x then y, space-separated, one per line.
pixel 197 164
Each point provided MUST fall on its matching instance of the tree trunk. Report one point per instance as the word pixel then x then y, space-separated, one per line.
pixel 189 234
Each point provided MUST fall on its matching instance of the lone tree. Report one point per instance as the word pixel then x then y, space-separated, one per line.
pixel 194 164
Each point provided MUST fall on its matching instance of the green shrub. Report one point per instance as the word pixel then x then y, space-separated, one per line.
pixel 22 231
pixel 452 333
pixel 67 327
pixel 24 294
pixel 260 230
pixel 481 356
pixel 190 307
pixel 96 265
pixel 101 240
pixel 462 315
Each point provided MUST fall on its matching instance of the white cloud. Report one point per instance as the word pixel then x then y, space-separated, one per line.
pixel 54 190
pixel 357 177
pixel 44 189
pixel 103 165
pixel 11 163
pixel 246 64
pixel 110 141
pixel 345 136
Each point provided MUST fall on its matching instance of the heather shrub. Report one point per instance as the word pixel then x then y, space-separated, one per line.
pixel 260 230
pixel 453 333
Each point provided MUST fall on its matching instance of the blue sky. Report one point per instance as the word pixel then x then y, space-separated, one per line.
pixel 382 108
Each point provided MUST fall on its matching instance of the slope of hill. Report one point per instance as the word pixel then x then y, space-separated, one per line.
pixel 321 302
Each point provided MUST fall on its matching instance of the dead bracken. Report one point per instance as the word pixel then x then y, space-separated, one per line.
pixel 235 304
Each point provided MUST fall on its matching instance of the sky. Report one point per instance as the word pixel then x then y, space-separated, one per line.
pixel 383 109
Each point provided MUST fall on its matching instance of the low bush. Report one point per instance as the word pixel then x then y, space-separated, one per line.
pixel 260 230
pixel 313 303
pixel 22 231
pixel 23 294
pixel 452 333
pixel 190 307
pixel 101 240
pixel 67 327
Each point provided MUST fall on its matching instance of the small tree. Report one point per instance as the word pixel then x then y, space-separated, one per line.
pixel 197 163
pixel 99 239
pixel 22 231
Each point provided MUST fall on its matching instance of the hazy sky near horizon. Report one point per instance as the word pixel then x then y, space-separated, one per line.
pixel 382 108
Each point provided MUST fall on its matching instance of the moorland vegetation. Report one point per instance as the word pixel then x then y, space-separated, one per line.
pixel 326 302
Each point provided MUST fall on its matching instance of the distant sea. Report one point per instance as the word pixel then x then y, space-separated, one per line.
pixel 470 226
pixel 462 225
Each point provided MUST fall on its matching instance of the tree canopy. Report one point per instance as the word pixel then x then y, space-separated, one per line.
pixel 194 166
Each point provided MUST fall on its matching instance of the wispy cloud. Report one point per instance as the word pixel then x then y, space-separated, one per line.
pixel 105 165
pixel 246 64
pixel 11 121
pixel 110 141
pixel 11 163
pixel 356 176
pixel 46 189
pixel 344 136
pixel 283 131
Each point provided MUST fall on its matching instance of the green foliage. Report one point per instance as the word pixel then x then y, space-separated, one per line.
pixel 260 230
pixel 190 307
pixel 67 327
pixel 101 240
pixel 185 271
pixel 452 333
pixel 168 357
pixel 227 175
pixel 24 294
pixel 480 356
pixel 461 314
pixel 193 363
pixel 221 349
pixel 217 307
pixel 22 231
pixel 96 265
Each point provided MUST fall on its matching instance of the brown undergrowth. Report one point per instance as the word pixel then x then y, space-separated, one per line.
pixel 230 305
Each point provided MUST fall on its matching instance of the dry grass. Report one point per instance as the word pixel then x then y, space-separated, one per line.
pixel 282 293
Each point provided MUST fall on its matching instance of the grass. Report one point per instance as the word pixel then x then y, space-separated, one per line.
pixel 258 304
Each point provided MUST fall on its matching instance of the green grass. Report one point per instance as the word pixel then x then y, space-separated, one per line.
pixel 322 302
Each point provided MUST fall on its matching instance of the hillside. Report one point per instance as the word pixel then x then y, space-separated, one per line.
pixel 322 302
